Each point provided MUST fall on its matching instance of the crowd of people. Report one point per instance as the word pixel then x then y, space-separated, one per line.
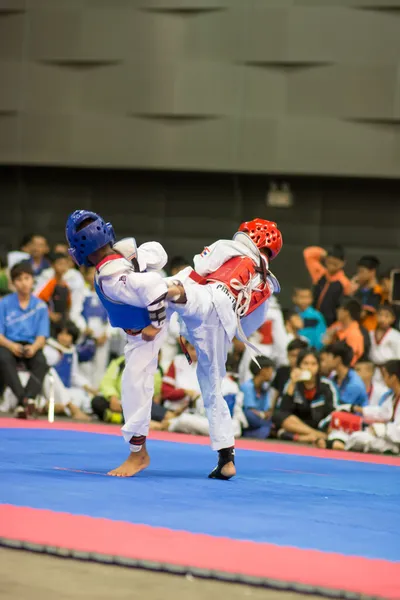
pixel 327 373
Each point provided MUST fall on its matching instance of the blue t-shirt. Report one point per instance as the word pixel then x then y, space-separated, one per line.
pixel 251 399
pixel 23 325
pixel 314 327
pixel 352 389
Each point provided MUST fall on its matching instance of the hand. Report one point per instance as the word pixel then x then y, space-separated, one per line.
pixel 115 404
pixel 100 341
pixel 149 333
pixel 91 391
pixel 358 409
pixel 55 317
pixel 295 375
pixel 88 332
pixel 17 349
pixel 29 351
pixel 192 394
pixel 267 415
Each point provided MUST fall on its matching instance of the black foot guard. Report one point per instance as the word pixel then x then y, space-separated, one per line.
pixel 225 456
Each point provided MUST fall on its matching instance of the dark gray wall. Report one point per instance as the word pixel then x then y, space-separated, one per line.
pixel 284 86
pixel 186 211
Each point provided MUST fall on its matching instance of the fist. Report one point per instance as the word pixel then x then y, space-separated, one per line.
pixel 149 333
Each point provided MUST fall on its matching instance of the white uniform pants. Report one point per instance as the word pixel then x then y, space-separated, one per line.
pixel 364 441
pixel 207 334
pixel 141 359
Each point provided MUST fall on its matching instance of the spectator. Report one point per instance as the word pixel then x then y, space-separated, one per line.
pixel 365 369
pixel 256 401
pixel 347 328
pixel 60 248
pixel 282 374
pixel 39 248
pixel 23 254
pixel 383 433
pixel 385 282
pixel 24 327
pixel 385 340
pixel 98 328
pixel 314 326
pixel 330 282
pixel 302 414
pixel 369 293
pixel 350 386
pixel 4 283
pixel 54 291
pixel 61 354
pixel 293 324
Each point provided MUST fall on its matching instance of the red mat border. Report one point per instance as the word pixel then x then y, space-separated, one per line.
pixel 117 538
pixel 182 438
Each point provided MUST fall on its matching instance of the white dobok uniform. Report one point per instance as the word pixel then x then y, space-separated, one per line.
pixel 212 318
pixel 121 284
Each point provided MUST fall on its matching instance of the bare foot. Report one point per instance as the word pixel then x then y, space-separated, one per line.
pixel 79 415
pixel 321 443
pixel 136 462
pixel 228 470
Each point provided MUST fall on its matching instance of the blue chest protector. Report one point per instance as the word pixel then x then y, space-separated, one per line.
pixel 64 369
pixel 93 308
pixel 122 315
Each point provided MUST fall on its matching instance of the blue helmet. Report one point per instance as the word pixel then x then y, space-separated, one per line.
pixel 92 237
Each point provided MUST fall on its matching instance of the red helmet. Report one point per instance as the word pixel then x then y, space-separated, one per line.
pixel 264 234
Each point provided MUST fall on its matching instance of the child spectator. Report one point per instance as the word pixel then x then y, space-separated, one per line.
pixel 330 282
pixel 314 326
pixel 350 386
pixel 365 369
pixel 24 327
pixel 256 401
pixel 385 340
pixel 302 413
pixel 54 291
pixel 383 432
pixel 293 324
pixel 61 354
pixel 385 281
pixel 282 374
pixel 38 250
pixel 98 328
pixel 369 293
pixel 347 328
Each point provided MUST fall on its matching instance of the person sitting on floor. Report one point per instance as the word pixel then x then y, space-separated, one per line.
pixel 24 327
pixel 283 373
pixel 365 369
pixel 385 339
pixel 302 413
pixel 61 354
pixel 378 427
pixel 351 388
pixel 347 328
pixel 256 400
pixel 314 325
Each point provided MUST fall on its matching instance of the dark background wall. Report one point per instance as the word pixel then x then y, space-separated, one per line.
pixel 283 86
pixel 186 211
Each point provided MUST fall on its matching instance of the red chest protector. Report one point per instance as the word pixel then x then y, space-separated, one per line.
pixel 247 284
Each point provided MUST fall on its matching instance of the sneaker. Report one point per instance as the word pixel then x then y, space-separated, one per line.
pixel 21 413
pixel 113 417
pixel 31 407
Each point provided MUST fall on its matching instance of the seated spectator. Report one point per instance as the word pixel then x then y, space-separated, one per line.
pixel 314 326
pixel 385 281
pixel 4 282
pixel 347 328
pixel 369 293
pixel 302 413
pixel 282 374
pixel 365 369
pixel 61 354
pixel 98 328
pixel 350 386
pixel 177 264
pixel 24 327
pixel 23 254
pixel 180 384
pixel 293 324
pixel 54 291
pixel 38 250
pixel 385 340
pixel 60 248
pixel 256 402
pixel 383 432
pixel 330 282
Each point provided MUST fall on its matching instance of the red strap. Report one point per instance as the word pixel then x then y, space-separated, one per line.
pixel 107 259
pixel 198 278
